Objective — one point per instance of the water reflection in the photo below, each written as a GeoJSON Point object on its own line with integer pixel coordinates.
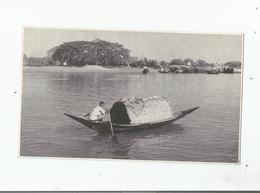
{"type": "Point", "coordinates": [120, 144]}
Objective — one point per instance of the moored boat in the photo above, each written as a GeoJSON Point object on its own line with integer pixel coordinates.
{"type": "Point", "coordinates": [228, 70]}
{"type": "Point", "coordinates": [134, 114]}
{"type": "Point", "coordinates": [164, 70]}
{"type": "Point", "coordinates": [237, 70]}
{"type": "Point", "coordinates": [213, 71]}
{"type": "Point", "coordinates": [145, 70]}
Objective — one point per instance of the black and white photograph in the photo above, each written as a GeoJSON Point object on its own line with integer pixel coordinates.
{"type": "Point", "coordinates": [131, 95]}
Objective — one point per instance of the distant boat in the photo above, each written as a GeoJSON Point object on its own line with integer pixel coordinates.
{"type": "Point", "coordinates": [164, 70]}
{"type": "Point", "coordinates": [145, 70]}
{"type": "Point", "coordinates": [228, 70]}
{"type": "Point", "coordinates": [132, 113]}
{"type": "Point", "coordinates": [213, 71]}
{"type": "Point", "coordinates": [237, 70]}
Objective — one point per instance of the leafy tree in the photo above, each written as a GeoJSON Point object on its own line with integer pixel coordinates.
{"type": "Point", "coordinates": [176, 62]}
{"type": "Point", "coordinates": [233, 64]}
{"type": "Point", "coordinates": [202, 63]}
{"type": "Point", "coordinates": [189, 61]}
{"type": "Point", "coordinates": [97, 52]}
{"type": "Point", "coordinates": [163, 63]}
{"type": "Point", "coordinates": [152, 63]}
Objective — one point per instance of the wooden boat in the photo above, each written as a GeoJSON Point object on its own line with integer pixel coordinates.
{"type": "Point", "coordinates": [237, 70]}
{"type": "Point", "coordinates": [164, 70]}
{"type": "Point", "coordinates": [228, 70]}
{"type": "Point", "coordinates": [105, 125]}
{"type": "Point", "coordinates": [213, 71]}
{"type": "Point", "coordinates": [145, 70]}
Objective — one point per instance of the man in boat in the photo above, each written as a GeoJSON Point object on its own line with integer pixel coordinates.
{"type": "Point", "coordinates": [97, 114]}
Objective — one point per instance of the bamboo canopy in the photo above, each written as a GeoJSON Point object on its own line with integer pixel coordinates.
{"type": "Point", "coordinates": [132, 110]}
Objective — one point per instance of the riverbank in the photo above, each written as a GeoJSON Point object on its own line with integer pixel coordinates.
{"type": "Point", "coordinates": [90, 68]}
{"type": "Point", "coordinates": [97, 68]}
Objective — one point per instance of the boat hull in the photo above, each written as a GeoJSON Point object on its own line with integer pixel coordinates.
{"type": "Point", "coordinates": [145, 71]}
{"type": "Point", "coordinates": [105, 126]}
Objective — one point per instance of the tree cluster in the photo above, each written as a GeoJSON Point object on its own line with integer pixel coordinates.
{"type": "Point", "coordinates": [97, 52]}
{"type": "Point", "coordinates": [143, 62]}
{"type": "Point", "coordinates": [233, 64]}
{"type": "Point", "coordinates": [100, 52]}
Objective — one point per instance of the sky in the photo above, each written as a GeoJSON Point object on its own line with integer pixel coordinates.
{"type": "Point", "coordinates": [213, 48]}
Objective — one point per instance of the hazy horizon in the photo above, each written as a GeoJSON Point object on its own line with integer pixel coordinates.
{"type": "Point", "coordinates": [213, 48]}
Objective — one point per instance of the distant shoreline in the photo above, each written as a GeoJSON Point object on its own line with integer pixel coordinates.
{"type": "Point", "coordinates": [88, 68]}
{"type": "Point", "coordinates": [97, 68]}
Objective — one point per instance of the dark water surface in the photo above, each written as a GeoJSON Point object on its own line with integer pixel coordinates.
{"type": "Point", "coordinates": [209, 134]}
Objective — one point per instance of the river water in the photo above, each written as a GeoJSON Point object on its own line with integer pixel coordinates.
{"type": "Point", "coordinates": [210, 134]}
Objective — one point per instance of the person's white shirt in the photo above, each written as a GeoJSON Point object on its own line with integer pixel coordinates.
{"type": "Point", "coordinates": [97, 113]}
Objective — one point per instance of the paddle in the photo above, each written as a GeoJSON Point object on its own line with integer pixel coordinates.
{"type": "Point", "coordinates": [110, 122]}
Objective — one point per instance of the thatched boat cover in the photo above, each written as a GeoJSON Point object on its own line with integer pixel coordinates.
{"type": "Point", "coordinates": [132, 110]}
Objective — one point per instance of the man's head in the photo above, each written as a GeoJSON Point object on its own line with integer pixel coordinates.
{"type": "Point", "coordinates": [102, 103]}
